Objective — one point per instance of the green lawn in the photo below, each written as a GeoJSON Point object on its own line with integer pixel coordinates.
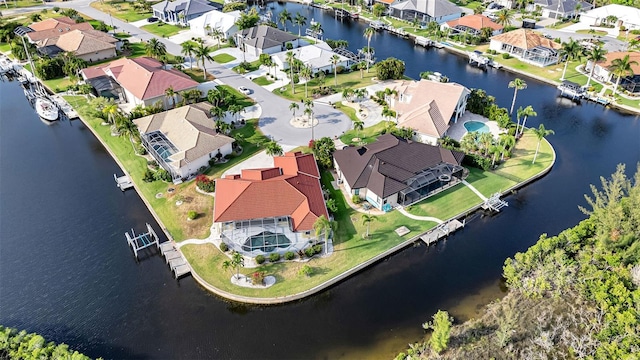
{"type": "Point", "coordinates": [253, 66]}
{"type": "Point", "coordinates": [163, 30]}
{"type": "Point", "coordinates": [58, 85]}
{"type": "Point", "coordinates": [592, 32]}
{"type": "Point", "coordinates": [121, 9]}
{"type": "Point", "coordinates": [15, 4]}
{"type": "Point", "coordinates": [239, 98]}
{"type": "Point", "coordinates": [350, 80]}
{"type": "Point", "coordinates": [262, 81]}
{"type": "Point", "coordinates": [223, 58]}
{"type": "Point", "coordinates": [5, 48]}
{"type": "Point", "coordinates": [198, 75]}
{"type": "Point", "coordinates": [366, 135]}
{"type": "Point", "coordinates": [251, 144]}
{"type": "Point", "coordinates": [446, 204]}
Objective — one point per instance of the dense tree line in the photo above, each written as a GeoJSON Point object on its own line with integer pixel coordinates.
{"type": "Point", "coordinates": [574, 295]}
{"type": "Point", "coordinates": [16, 344]}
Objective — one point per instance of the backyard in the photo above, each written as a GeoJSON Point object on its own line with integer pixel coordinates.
{"type": "Point", "coordinates": [121, 9]}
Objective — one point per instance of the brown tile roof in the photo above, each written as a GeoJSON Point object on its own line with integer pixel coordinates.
{"type": "Point", "coordinates": [428, 105]}
{"type": "Point", "coordinates": [37, 36]}
{"type": "Point", "coordinates": [633, 56]}
{"type": "Point", "coordinates": [386, 165]}
{"type": "Point", "coordinates": [82, 43]}
{"type": "Point", "coordinates": [475, 21]}
{"type": "Point", "coordinates": [388, 2]}
{"type": "Point", "coordinates": [144, 77]}
{"type": "Point", "coordinates": [273, 192]}
{"type": "Point", "coordinates": [526, 39]}
{"type": "Point", "coordinates": [52, 23]}
{"type": "Point", "coordinates": [189, 128]}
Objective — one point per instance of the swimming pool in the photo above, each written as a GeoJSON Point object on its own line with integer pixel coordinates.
{"type": "Point", "coordinates": [476, 126]}
{"type": "Point", "coordinates": [266, 241]}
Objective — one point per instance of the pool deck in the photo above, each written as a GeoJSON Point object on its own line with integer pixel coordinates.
{"type": "Point", "coordinates": [457, 130]}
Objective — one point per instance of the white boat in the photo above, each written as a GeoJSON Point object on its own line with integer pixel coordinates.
{"type": "Point", "coordinates": [46, 109]}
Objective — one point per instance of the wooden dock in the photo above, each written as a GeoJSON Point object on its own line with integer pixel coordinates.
{"type": "Point", "coordinates": [123, 182]}
{"type": "Point", "coordinates": [442, 230]}
{"type": "Point", "coordinates": [174, 258]}
{"type": "Point", "coordinates": [63, 105]}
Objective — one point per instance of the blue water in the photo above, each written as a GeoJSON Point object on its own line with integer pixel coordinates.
{"type": "Point", "coordinates": [476, 126]}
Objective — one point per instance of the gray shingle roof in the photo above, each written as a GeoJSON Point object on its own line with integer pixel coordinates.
{"type": "Point", "coordinates": [433, 8]}
{"type": "Point", "coordinates": [264, 37]}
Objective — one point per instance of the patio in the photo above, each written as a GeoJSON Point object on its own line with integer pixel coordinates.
{"type": "Point", "coordinates": [457, 130]}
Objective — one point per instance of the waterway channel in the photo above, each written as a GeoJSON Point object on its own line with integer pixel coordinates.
{"type": "Point", "coordinates": [66, 271]}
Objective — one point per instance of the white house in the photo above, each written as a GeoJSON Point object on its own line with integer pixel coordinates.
{"type": "Point", "coordinates": [224, 22]}
{"type": "Point", "coordinates": [263, 39]}
{"type": "Point", "coordinates": [425, 11]}
{"type": "Point", "coordinates": [528, 46]}
{"type": "Point", "coordinates": [626, 16]}
{"type": "Point", "coordinates": [184, 139]}
{"type": "Point", "coordinates": [317, 56]}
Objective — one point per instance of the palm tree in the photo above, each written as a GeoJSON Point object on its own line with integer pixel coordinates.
{"type": "Point", "coordinates": [202, 53]}
{"type": "Point", "coordinates": [300, 21]}
{"type": "Point", "coordinates": [217, 112]}
{"type": "Point", "coordinates": [358, 125]}
{"type": "Point", "coordinates": [347, 94]}
{"type": "Point", "coordinates": [291, 58]}
{"type": "Point", "coordinates": [367, 220]}
{"type": "Point", "coordinates": [235, 109]}
{"type": "Point", "coordinates": [284, 18]}
{"type": "Point", "coordinates": [188, 48]}
{"type": "Point", "coordinates": [570, 51]}
{"type": "Point", "coordinates": [308, 110]}
{"type": "Point", "coordinates": [237, 260]}
{"type": "Point", "coordinates": [541, 133]}
{"type": "Point", "coordinates": [517, 84]}
{"type": "Point", "coordinates": [507, 142]}
{"type": "Point", "coordinates": [293, 107]}
{"type": "Point", "coordinates": [504, 17]}
{"type": "Point", "coordinates": [218, 35]}
{"type": "Point", "coordinates": [486, 139]}
{"type": "Point", "coordinates": [273, 149]}
{"type": "Point", "coordinates": [368, 33]}
{"type": "Point", "coordinates": [112, 111]}
{"type": "Point", "coordinates": [621, 67]}
{"type": "Point", "coordinates": [595, 55]}
{"type": "Point", "coordinates": [361, 66]}
{"type": "Point", "coordinates": [322, 225]}
{"type": "Point", "coordinates": [316, 29]}
{"type": "Point", "coordinates": [34, 17]}
{"type": "Point", "coordinates": [155, 48]}
{"type": "Point", "coordinates": [306, 73]}
{"type": "Point", "coordinates": [335, 59]}
{"type": "Point", "coordinates": [170, 94]}
{"type": "Point", "coordinates": [526, 112]}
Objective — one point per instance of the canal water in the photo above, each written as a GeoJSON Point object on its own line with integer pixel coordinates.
{"type": "Point", "coordinates": [66, 271]}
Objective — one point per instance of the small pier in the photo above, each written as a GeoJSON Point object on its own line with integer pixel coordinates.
{"type": "Point", "coordinates": [123, 182]}
{"type": "Point", "coordinates": [442, 230]}
{"type": "Point", "coordinates": [142, 241]}
{"type": "Point", "coordinates": [174, 258]}
{"type": "Point", "coordinates": [477, 59]}
{"type": "Point", "coordinates": [571, 90]}
{"type": "Point", "coordinates": [398, 32]}
{"type": "Point", "coordinates": [378, 25]}
{"type": "Point", "coordinates": [494, 203]}
{"type": "Point", "coordinates": [63, 105]}
{"type": "Point", "coordinates": [423, 41]}
{"type": "Point", "coordinates": [596, 99]}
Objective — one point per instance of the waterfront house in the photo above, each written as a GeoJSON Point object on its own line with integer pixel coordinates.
{"type": "Point", "coordinates": [263, 39]}
{"type": "Point", "coordinates": [271, 209]}
{"type": "Point", "coordinates": [473, 25]}
{"type": "Point", "coordinates": [393, 171]}
{"type": "Point", "coordinates": [528, 46]}
{"type": "Point", "coordinates": [428, 107]}
{"type": "Point", "coordinates": [604, 73]}
{"type": "Point", "coordinates": [206, 23]}
{"type": "Point", "coordinates": [180, 11]}
{"type": "Point", "coordinates": [612, 15]}
{"type": "Point", "coordinates": [425, 11]}
{"type": "Point", "coordinates": [88, 45]}
{"type": "Point", "coordinates": [183, 140]}
{"type": "Point", "coordinates": [141, 81]}
{"type": "Point", "coordinates": [318, 56]}
{"type": "Point", "coordinates": [559, 9]}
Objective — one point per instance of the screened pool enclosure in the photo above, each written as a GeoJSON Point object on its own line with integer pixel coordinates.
{"type": "Point", "coordinates": [161, 149]}
{"type": "Point", "coordinates": [430, 182]}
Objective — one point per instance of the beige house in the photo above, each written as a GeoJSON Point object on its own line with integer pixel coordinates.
{"type": "Point", "coordinates": [428, 107]}
{"type": "Point", "coordinates": [528, 46]}
{"type": "Point", "coordinates": [604, 73]}
{"type": "Point", "coordinates": [88, 45]}
{"type": "Point", "coordinates": [184, 139]}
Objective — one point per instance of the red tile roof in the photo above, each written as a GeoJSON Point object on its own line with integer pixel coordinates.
{"type": "Point", "coordinates": [45, 34]}
{"type": "Point", "coordinates": [291, 190]}
{"type": "Point", "coordinates": [52, 23]}
{"type": "Point", "coordinates": [633, 56]}
{"type": "Point", "coordinates": [144, 77]}
{"type": "Point", "coordinates": [475, 21]}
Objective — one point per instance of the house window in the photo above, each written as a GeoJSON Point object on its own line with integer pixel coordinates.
{"type": "Point", "coordinates": [356, 192]}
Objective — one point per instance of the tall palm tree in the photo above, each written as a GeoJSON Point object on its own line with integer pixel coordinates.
{"type": "Point", "coordinates": [504, 17]}
{"type": "Point", "coordinates": [308, 110]}
{"type": "Point", "coordinates": [621, 67]}
{"type": "Point", "coordinates": [347, 94]}
{"type": "Point", "coordinates": [368, 33]}
{"type": "Point", "coordinates": [300, 21]}
{"type": "Point", "coordinates": [155, 48]}
{"type": "Point", "coordinates": [507, 142]}
{"type": "Point", "coordinates": [516, 84]}
{"type": "Point", "coordinates": [526, 112]}
{"type": "Point", "coordinates": [188, 49]}
{"type": "Point", "coordinates": [570, 51]}
{"type": "Point", "coordinates": [306, 73]}
{"type": "Point", "coordinates": [316, 29]}
{"type": "Point", "coordinates": [112, 111]}
{"type": "Point", "coordinates": [486, 139]}
{"type": "Point", "coordinates": [218, 35]}
{"type": "Point", "coordinates": [595, 55]}
{"type": "Point", "coordinates": [293, 107]}
{"type": "Point", "coordinates": [170, 94]}
{"type": "Point", "coordinates": [324, 226]}
{"type": "Point", "coordinates": [273, 149]}
{"type": "Point", "coordinates": [217, 112]}
{"type": "Point", "coordinates": [237, 261]}
{"type": "Point", "coordinates": [335, 59]}
{"type": "Point", "coordinates": [291, 59]}
{"type": "Point", "coordinates": [202, 53]}
{"type": "Point", "coordinates": [541, 133]}
{"type": "Point", "coordinates": [367, 220]}
{"type": "Point", "coordinates": [284, 18]}
{"type": "Point", "coordinates": [358, 125]}
{"type": "Point", "coordinates": [519, 115]}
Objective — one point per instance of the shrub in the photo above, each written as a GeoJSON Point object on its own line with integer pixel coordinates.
{"type": "Point", "coordinates": [148, 176]}
{"type": "Point", "coordinates": [224, 247]}
{"type": "Point", "coordinates": [317, 249]}
{"type": "Point", "coordinates": [296, 78]}
{"type": "Point", "coordinates": [309, 252]}
{"type": "Point", "coordinates": [306, 270]}
{"type": "Point", "coordinates": [260, 259]}
{"type": "Point", "coordinates": [192, 215]}
{"type": "Point", "coordinates": [356, 199]}
{"type": "Point", "coordinates": [273, 257]}
{"type": "Point", "coordinates": [289, 255]}
{"type": "Point", "coordinates": [340, 69]}
{"type": "Point", "coordinates": [257, 278]}
{"type": "Point", "coordinates": [212, 161]}
{"type": "Point", "coordinates": [163, 175]}
{"type": "Point", "coordinates": [205, 184]}
{"type": "Point", "coordinates": [506, 56]}
{"type": "Point", "coordinates": [331, 205]}
{"type": "Point", "coordinates": [140, 150]}
{"type": "Point", "coordinates": [477, 161]}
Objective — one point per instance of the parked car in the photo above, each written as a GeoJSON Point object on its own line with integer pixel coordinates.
{"type": "Point", "coordinates": [244, 90]}
{"type": "Point", "coordinates": [152, 19]}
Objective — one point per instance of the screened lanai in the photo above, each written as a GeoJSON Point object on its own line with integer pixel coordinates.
{"type": "Point", "coordinates": [161, 149]}
{"type": "Point", "coordinates": [431, 181]}
{"type": "Point", "coordinates": [263, 236]}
